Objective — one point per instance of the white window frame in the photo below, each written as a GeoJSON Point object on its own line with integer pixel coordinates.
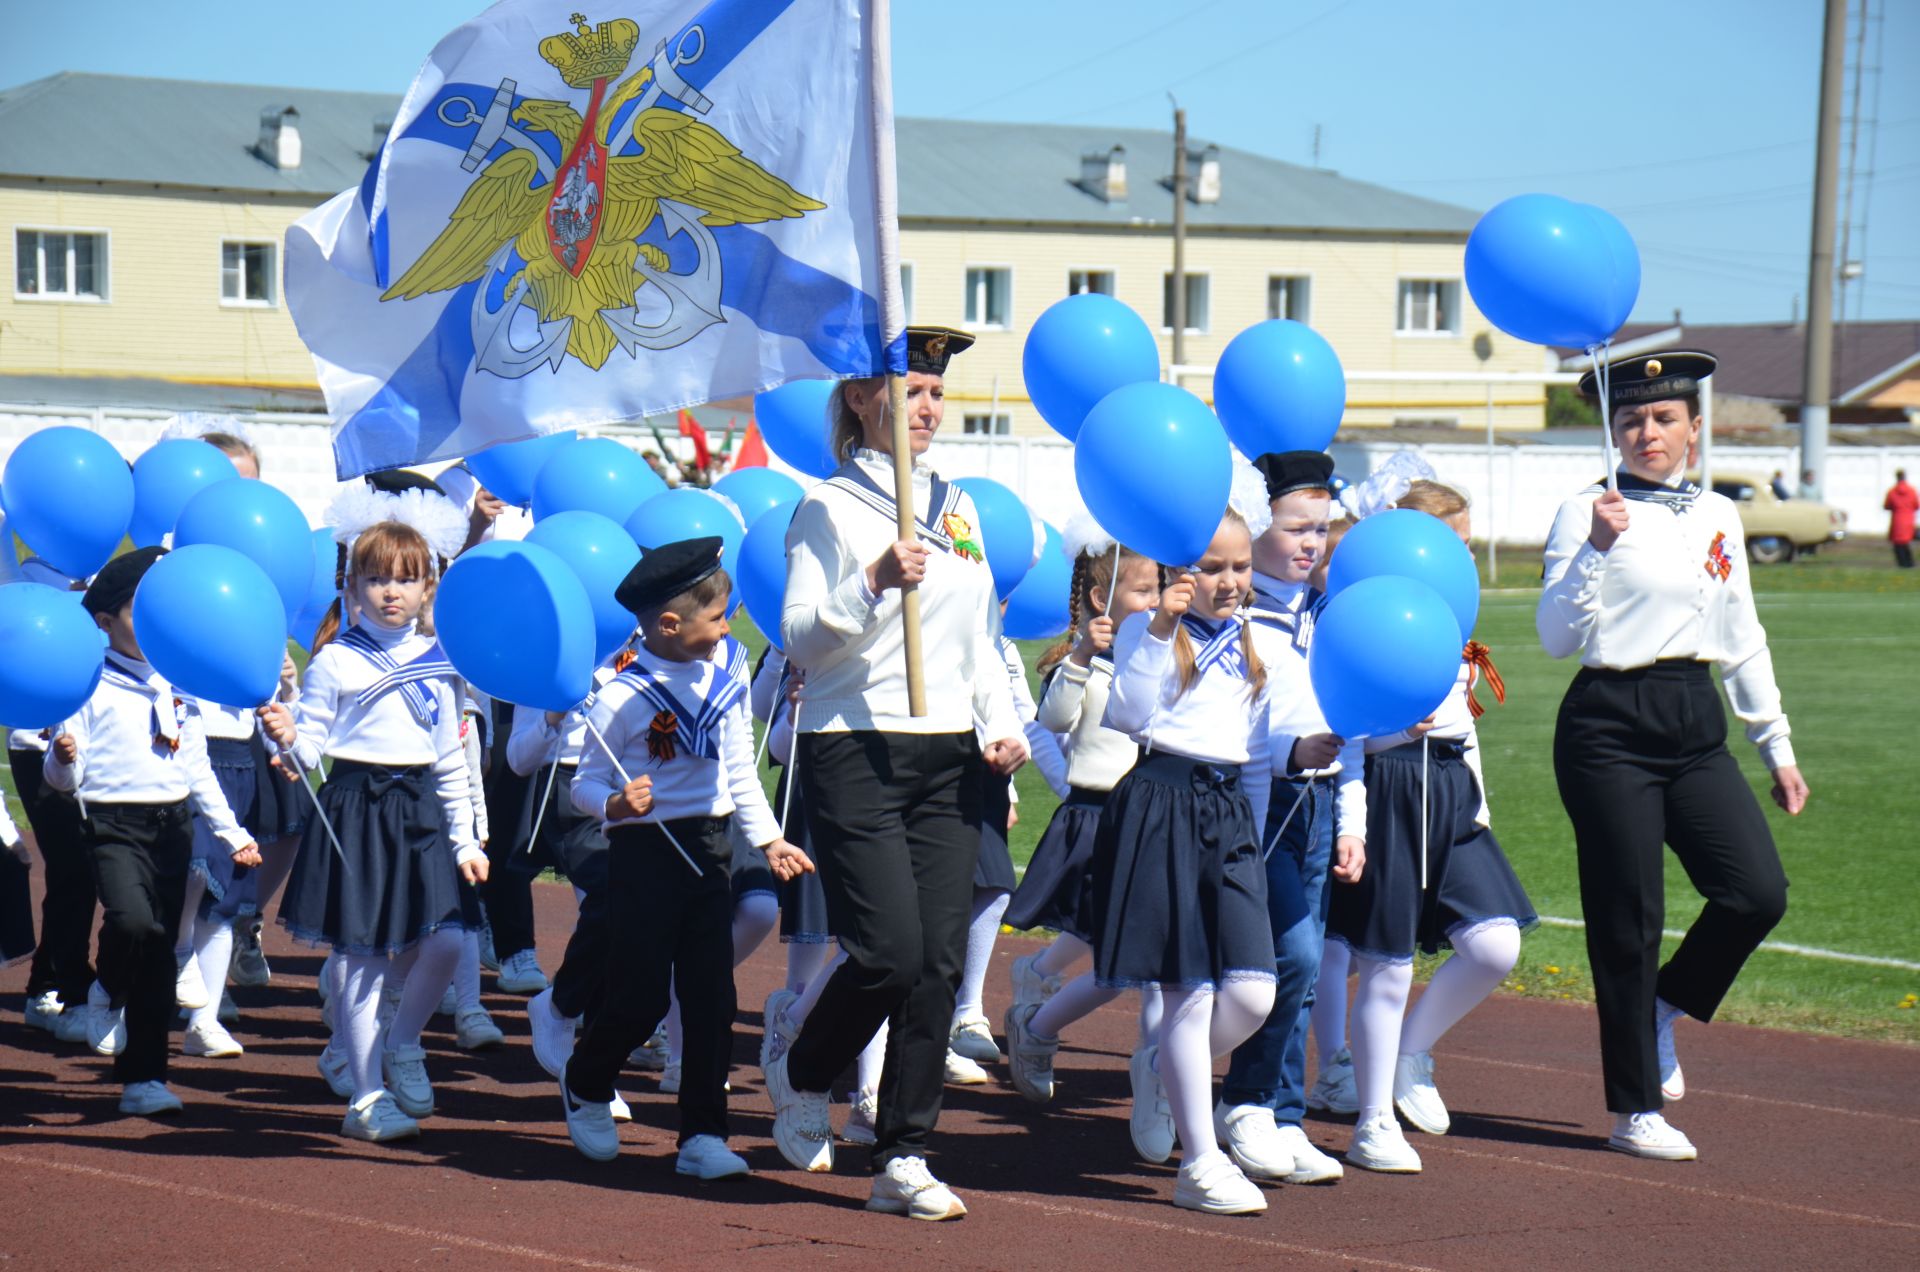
{"type": "Point", "coordinates": [273, 282]}
{"type": "Point", "coordinates": [966, 296]}
{"type": "Point", "coordinates": [1166, 325]}
{"type": "Point", "coordinates": [908, 276]}
{"type": "Point", "coordinates": [1113, 277]}
{"type": "Point", "coordinates": [1438, 333]}
{"type": "Point", "coordinates": [996, 418]}
{"type": "Point", "coordinates": [1301, 276]}
{"type": "Point", "coordinates": [103, 268]}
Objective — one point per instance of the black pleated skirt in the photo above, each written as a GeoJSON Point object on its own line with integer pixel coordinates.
{"type": "Point", "coordinates": [397, 882]}
{"type": "Point", "coordinates": [993, 871]}
{"type": "Point", "coordinates": [803, 902]}
{"type": "Point", "coordinates": [1057, 890]}
{"type": "Point", "coordinates": [1386, 915]}
{"type": "Point", "coordinates": [1180, 892]}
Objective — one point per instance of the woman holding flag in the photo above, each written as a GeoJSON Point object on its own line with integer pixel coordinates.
{"type": "Point", "coordinates": [892, 797]}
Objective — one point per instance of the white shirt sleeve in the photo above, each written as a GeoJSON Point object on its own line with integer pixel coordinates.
{"type": "Point", "coordinates": [992, 686]}
{"type": "Point", "coordinates": [533, 742]}
{"type": "Point", "coordinates": [450, 780]}
{"type": "Point", "coordinates": [67, 777]}
{"type": "Point", "coordinates": [1140, 663]}
{"type": "Point", "coordinates": [1256, 780]}
{"type": "Point", "coordinates": [596, 780]}
{"type": "Point", "coordinates": [314, 711]}
{"type": "Point", "coordinates": [828, 604]}
{"type": "Point", "coordinates": [752, 814]}
{"type": "Point", "coordinates": [1747, 667]}
{"type": "Point", "coordinates": [1570, 592]}
{"type": "Point", "coordinates": [1062, 698]}
{"type": "Point", "coordinates": [1350, 791]}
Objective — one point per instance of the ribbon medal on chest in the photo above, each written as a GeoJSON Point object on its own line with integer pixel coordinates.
{"type": "Point", "coordinates": [674, 728]}
{"type": "Point", "coordinates": [1719, 564]}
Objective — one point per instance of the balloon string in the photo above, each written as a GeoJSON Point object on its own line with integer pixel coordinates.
{"type": "Point", "coordinates": [1603, 382]}
{"type": "Point", "coordinates": [1113, 582]}
{"type": "Point", "coordinates": [793, 770]}
{"type": "Point", "coordinates": [1305, 786]}
{"type": "Point", "coordinates": [621, 769]}
{"type": "Point", "coordinates": [326, 823]}
{"type": "Point", "coordinates": [540, 814]}
{"type": "Point", "coordinates": [1423, 813]}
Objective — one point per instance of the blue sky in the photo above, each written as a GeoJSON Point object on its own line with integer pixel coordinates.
{"type": "Point", "coordinates": [1692, 122]}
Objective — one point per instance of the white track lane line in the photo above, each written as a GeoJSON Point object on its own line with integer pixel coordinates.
{"type": "Point", "coordinates": [1771, 947]}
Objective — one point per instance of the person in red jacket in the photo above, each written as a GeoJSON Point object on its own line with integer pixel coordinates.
{"type": "Point", "coordinates": [1901, 502]}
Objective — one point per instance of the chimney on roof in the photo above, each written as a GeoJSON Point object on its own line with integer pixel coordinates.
{"type": "Point", "coordinates": [1205, 187]}
{"type": "Point", "coordinates": [1103, 174]}
{"type": "Point", "coordinates": [279, 142]}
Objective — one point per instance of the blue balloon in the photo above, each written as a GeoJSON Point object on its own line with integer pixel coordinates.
{"type": "Point", "coordinates": [1039, 608]}
{"type": "Point", "coordinates": [262, 524]}
{"type": "Point", "coordinates": [1385, 653]}
{"type": "Point", "coordinates": [756, 490]}
{"type": "Point", "coordinates": [1414, 545]}
{"type": "Point", "coordinates": [321, 590]}
{"type": "Point", "coordinates": [211, 622]}
{"type": "Point", "coordinates": [594, 474]}
{"type": "Point", "coordinates": [1006, 531]}
{"type": "Point", "coordinates": [1080, 350]}
{"type": "Point", "coordinates": [601, 552]}
{"type": "Point", "coordinates": [690, 513]}
{"type": "Point", "coordinates": [165, 478]}
{"type": "Point", "coordinates": [1154, 468]}
{"type": "Point", "coordinates": [1550, 271]}
{"type": "Point", "coordinates": [516, 621]}
{"type": "Point", "coordinates": [509, 471]}
{"type": "Point", "coordinates": [793, 419]}
{"type": "Point", "coordinates": [1279, 387]}
{"type": "Point", "coordinates": [69, 496]}
{"type": "Point", "coordinates": [54, 656]}
{"type": "Point", "coordinates": [762, 579]}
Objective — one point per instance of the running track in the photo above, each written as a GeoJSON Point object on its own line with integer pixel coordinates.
{"type": "Point", "coordinates": [1811, 1145]}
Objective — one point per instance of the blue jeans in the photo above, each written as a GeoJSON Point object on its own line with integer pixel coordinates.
{"type": "Point", "coordinates": [1270, 1068]}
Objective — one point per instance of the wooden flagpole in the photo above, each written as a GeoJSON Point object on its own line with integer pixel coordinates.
{"type": "Point", "coordinates": [903, 509]}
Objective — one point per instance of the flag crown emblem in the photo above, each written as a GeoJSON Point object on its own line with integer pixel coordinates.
{"type": "Point", "coordinates": [589, 53]}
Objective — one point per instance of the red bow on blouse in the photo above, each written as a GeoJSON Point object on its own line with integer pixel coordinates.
{"type": "Point", "coordinates": [1480, 658]}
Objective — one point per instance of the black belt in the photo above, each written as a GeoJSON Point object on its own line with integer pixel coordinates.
{"type": "Point", "coordinates": [1437, 749]}
{"type": "Point", "coordinates": [1680, 670]}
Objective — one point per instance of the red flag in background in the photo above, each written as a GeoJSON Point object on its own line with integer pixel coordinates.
{"type": "Point", "coordinates": [688, 428]}
{"type": "Point", "coordinates": [753, 448]}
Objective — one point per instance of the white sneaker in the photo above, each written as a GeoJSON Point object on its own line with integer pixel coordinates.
{"type": "Point", "coordinates": [1030, 986]}
{"type": "Point", "coordinates": [1378, 1144]}
{"type": "Point", "coordinates": [653, 1053]}
{"type": "Point", "coordinates": [973, 1038]}
{"type": "Point", "coordinates": [377, 1119]}
{"type": "Point", "coordinates": [1649, 1135]}
{"type": "Point", "coordinates": [1673, 1083]}
{"type": "Point", "coordinates": [553, 1034]}
{"type": "Point", "coordinates": [964, 1072]}
{"type": "Point", "coordinates": [1333, 1091]}
{"type": "Point", "coordinates": [1029, 1057]}
{"type": "Point", "coordinates": [106, 1024]}
{"type": "Point", "coordinates": [1252, 1140]}
{"type": "Point", "coordinates": [670, 1078]}
{"type": "Point", "coordinates": [71, 1024]}
{"type": "Point", "coordinates": [520, 974]}
{"type": "Point", "coordinates": [474, 1030]}
{"type": "Point", "coordinates": [248, 964]}
{"type": "Point", "coordinates": [801, 1129]}
{"type": "Point", "coordinates": [862, 1114]}
{"type": "Point", "coordinates": [212, 1041]}
{"type": "Point", "coordinates": [449, 1004]}
{"type": "Point", "coordinates": [907, 1187]}
{"type": "Point", "coordinates": [334, 1069]}
{"type": "Point", "coordinates": [405, 1069]}
{"type": "Point", "coordinates": [1415, 1095]}
{"type": "Point", "coordinates": [590, 1126]}
{"type": "Point", "coordinates": [189, 991]}
{"type": "Point", "coordinates": [1310, 1165]}
{"type": "Point", "coordinates": [148, 1099]}
{"type": "Point", "coordinates": [618, 1109]}
{"type": "Point", "coordinates": [1214, 1184]}
{"type": "Point", "coordinates": [42, 1010]}
{"type": "Point", "coordinates": [708, 1157]}
{"type": "Point", "coordinates": [1151, 1121]}
{"type": "Point", "coordinates": [776, 1031]}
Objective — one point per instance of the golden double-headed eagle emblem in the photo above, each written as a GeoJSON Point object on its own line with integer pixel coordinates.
{"type": "Point", "coordinates": [576, 227]}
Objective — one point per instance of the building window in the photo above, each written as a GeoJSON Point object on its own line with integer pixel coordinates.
{"type": "Point", "coordinates": [247, 273]}
{"type": "Point", "coordinates": [1198, 292]}
{"type": "Point", "coordinates": [1287, 297]}
{"type": "Point", "coordinates": [1000, 425]}
{"type": "Point", "coordinates": [60, 264]}
{"type": "Point", "coordinates": [989, 297]}
{"type": "Point", "coordinates": [906, 291]}
{"type": "Point", "coordinates": [1429, 307]}
{"type": "Point", "coordinates": [1426, 421]}
{"type": "Point", "coordinates": [1082, 281]}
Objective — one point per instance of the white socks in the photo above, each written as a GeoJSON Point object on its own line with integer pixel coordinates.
{"type": "Point", "coordinates": [1378, 1007]}
{"type": "Point", "coordinates": [427, 970]}
{"type": "Point", "coordinates": [212, 947]}
{"type": "Point", "coordinates": [1482, 956]}
{"type": "Point", "coordinates": [989, 905]}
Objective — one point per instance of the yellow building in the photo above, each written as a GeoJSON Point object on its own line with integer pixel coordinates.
{"type": "Point", "coordinates": [144, 220]}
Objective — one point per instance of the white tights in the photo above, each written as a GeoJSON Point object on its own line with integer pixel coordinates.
{"type": "Point", "coordinates": [1482, 955]}
{"type": "Point", "coordinates": [466, 972]}
{"type": "Point", "coordinates": [1330, 1000]}
{"type": "Point", "coordinates": [989, 905]}
{"type": "Point", "coordinates": [212, 947]}
{"type": "Point", "coordinates": [356, 1017]}
{"type": "Point", "coordinates": [1063, 953]}
{"type": "Point", "coordinates": [425, 971]}
{"type": "Point", "coordinates": [1200, 1026]}
{"type": "Point", "coordinates": [1083, 995]}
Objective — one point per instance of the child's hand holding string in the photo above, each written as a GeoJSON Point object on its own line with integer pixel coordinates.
{"type": "Point", "coordinates": [1097, 639]}
{"type": "Point", "coordinates": [276, 722]}
{"type": "Point", "coordinates": [1175, 601]}
{"type": "Point", "coordinates": [633, 800]}
{"type": "Point", "coordinates": [786, 861]}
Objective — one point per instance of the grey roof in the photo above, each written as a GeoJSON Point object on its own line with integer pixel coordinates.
{"type": "Point", "coordinates": [76, 126]}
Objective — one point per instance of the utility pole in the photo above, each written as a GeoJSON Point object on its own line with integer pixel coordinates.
{"type": "Point", "coordinates": [1180, 235]}
{"type": "Point", "coordinates": [1817, 392]}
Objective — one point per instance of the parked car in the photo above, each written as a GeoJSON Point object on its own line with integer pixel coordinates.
{"type": "Point", "coordinates": [1777, 529]}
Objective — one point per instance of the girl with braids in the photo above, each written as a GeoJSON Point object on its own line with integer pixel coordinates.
{"type": "Point", "coordinates": [1180, 899]}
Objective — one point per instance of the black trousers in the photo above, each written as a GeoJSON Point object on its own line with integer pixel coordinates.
{"type": "Point", "coordinates": [60, 961]}
{"type": "Point", "coordinates": [579, 986]}
{"type": "Point", "coordinates": [664, 921]}
{"type": "Point", "coordinates": [1903, 555]}
{"type": "Point", "coordinates": [893, 821]}
{"type": "Point", "coordinates": [1641, 759]}
{"type": "Point", "coordinates": [140, 855]}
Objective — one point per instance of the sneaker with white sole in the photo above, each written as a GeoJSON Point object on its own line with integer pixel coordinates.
{"type": "Point", "coordinates": [1673, 1083]}
{"type": "Point", "coordinates": [590, 1125]}
{"type": "Point", "coordinates": [1334, 1091]}
{"type": "Point", "coordinates": [1310, 1165]}
{"type": "Point", "coordinates": [449, 1004]}
{"type": "Point", "coordinates": [708, 1157]}
{"type": "Point", "coordinates": [332, 1063]}
{"type": "Point", "coordinates": [405, 1069]}
{"type": "Point", "coordinates": [1029, 986]}
{"type": "Point", "coordinates": [71, 1024]}
{"type": "Point", "coordinates": [1216, 1186]}
{"type": "Point", "coordinates": [862, 1115]}
{"type": "Point", "coordinates": [1650, 1135]}
{"type": "Point", "coordinates": [653, 1054]}
{"type": "Point", "coordinates": [670, 1078]}
{"type": "Point", "coordinates": [211, 1041]}
{"type": "Point", "coordinates": [42, 1010]}
{"type": "Point", "coordinates": [189, 991]}
{"type": "Point", "coordinates": [618, 1109]}
{"type": "Point", "coordinates": [474, 1030]}
{"type": "Point", "coordinates": [148, 1099]}
{"type": "Point", "coordinates": [1029, 1056]}
{"type": "Point", "coordinates": [248, 964]}
{"type": "Point", "coordinates": [376, 1119]}
{"type": "Point", "coordinates": [972, 1037]}
{"type": "Point", "coordinates": [801, 1128]}
{"type": "Point", "coordinates": [1253, 1141]}
{"type": "Point", "coordinates": [907, 1187]}
{"type": "Point", "coordinates": [553, 1034]}
{"type": "Point", "coordinates": [777, 1031]}
{"type": "Point", "coordinates": [1380, 1145]}
{"type": "Point", "coordinates": [1151, 1121]}
{"type": "Point", "coordinates": [520, 974]}
{"type": "Point", "coordinates": [106, 1024]}
{"type": "Point", "coordinates": [964, 1072]}
{"type": "Point", "coordinates": [1415, 1095]}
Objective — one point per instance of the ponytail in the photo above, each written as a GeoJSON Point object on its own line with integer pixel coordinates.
{"type": "Point", "coordinates": [335, 617]}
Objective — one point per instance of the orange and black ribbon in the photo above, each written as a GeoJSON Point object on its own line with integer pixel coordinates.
{"type": "Point", "coordinates": [1480, 658]}
{"type": "Point", "coordinates": [662, 736]}
{"type": "Point", "coordinates": [623, 660]}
